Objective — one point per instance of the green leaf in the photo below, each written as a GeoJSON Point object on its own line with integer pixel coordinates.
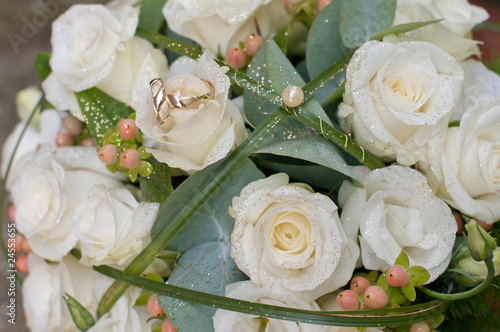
{"type": "Point", "coordinates": [158, 186]}
{"type": "Point", "coordinates": [151, 17]}
{"type": "Point", "coordinates": [396, 295]}
{"type": "Point", "coordinates": [101, 111]}
{"type": "Point", "coordinates": [385, 317]}
{"type": "Point", "coordinates": [401, 28]}
{"type": "Point", "coordinates": [361, 19]}
{"type": "Point", "coordinates": [409, 292]}
{"type": "Point", "coordinates": [212, 222]}
{"type": "Point", "coordinates": [320, 54]}
{"type": "Point", "coordinates": [418, 275]}
{"type": "Point", "coordinates": [208, 268]}
{"type": "Point", "coordinates": [42, 66]}
{"type": "Point", "coordinates": [403, 260]}
{"type": "Point", "coordinates": [143, 298]}
{"type": "Point", "coordinates": [382, 282]}
{"type": "Point", "coordinates": [206, 265]}
{"type": "Point", "coordinates": [81, 316]}
{"type": "Point", "coordinates": [281, 38]}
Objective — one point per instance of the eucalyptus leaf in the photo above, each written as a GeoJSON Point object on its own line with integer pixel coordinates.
{"type": "Point", "coordinates": [317, 176]}
{"type": "Point", "coordinates": [157, 186]}
{"type": "Point", "coordinates": [361, 19]}
{"type": "Point", "coordinates": [150, 16]}
{"type": "Point", "coordinates": [281, 38]}
{"type": "Point", "coordinates": [42, 66]}
{"type": "Point", "coordinates": [325, 47]}
{"type": "Point", "coordinates": [207, 268]}
{"type": "Point", "coordinates": [206, 264]}
{"type": "Point", "coordinates": [101, 111]}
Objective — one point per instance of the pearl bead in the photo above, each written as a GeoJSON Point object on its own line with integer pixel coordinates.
{"type": "Point", "coordinates": [293, 96]}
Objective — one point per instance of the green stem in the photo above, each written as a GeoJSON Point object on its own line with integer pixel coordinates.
{"type": "Point", "coordinates": [7, 172]}
{"type": "Point", "coordinates": [471, 292]}
{"type": "Point", "coordinates": [180, 217]}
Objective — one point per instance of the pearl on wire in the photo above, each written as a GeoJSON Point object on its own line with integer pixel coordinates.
{"type": "Point", "coordinates": [293, 96]}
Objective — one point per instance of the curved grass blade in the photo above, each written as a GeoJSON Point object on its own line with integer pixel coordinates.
{"type": "Point", "coordinates": [385, 317]}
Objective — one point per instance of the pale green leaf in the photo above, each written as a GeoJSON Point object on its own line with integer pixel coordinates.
{"type": "Point", "coordinates": [409, 292]}
{"type": "Point", "coordinates": [81, 317]}
{"type": "Point", "coordinates": [361, 19]}
{"type": "Point", "coordinates": [403, 260]}
{"type": "Point", "coordinates": [418, 275]}
{"type": "Point", "coordinates": [150, 16]}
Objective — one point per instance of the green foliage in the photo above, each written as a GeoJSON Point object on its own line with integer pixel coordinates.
{"type": "Point", "coordinates": [206, 264]}
{"type": "Point", "coordinates": [325, 47]}
{"type": "Point", "coordinates": [418, 275]}
{"type": "Point", "coordinates": [403, 260]}
{"type": "Point", "coordinates": [158, 185]}
{"type": "Point", "coordinates": [361, 19]}
{"type": "Point", "coordinates": [101, 112]}
{"type": "Point", "coordinates": [81, 316]}
{"type": "Point", "coordinates": [42, 66]}
{"type": "Point", "coordinates": [150, 16]}
{"type": "Point", "coordinates": [409, 292]}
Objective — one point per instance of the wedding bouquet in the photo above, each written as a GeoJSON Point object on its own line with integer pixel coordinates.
{"type": "Point", "coordinates": [264, 165]}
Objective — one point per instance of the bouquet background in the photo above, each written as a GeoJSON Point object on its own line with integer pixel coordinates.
{"type": "Point", "coordinates": [17, 72]}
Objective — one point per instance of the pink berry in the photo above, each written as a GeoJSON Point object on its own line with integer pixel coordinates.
{"type": "Point", "coordinates": [108, 154]}
{"type": "Point", "coordinates": [11, 213]}
{"type": "Point", "coordinates": [130, 158]}
{"type": "Point", "coordinates": [14, 243]}
{"type": "Point", "coordinates": [420, 327]}
{"type": "Point", "coordinates": [154, 306]}
{"type": "Point", "coordinates": [359, 284]}
{"type": "Point", "coordinates": [348, 300]}
{"type": "Point", "coordinates": [22, 263]}
{"type": "Point", "coordinates": [64, 139]}
{"type": "Point", "coordinates": [322, 4]}
{"type": "Point", "coordinates": [252, 44]}
{"type": "Point", "coordinates": [288, 5]}
{"type": "Point", "coordinates": [236, 58]}
{"type": "Point", "coordinates": [460, 222]}
{"type": "Point", "coordinates": [25, 246]}
{"type": "Point", "coordinates": [397, 276]}
{"type": "Point", "coordinates": [89, 141]}
{"type": "Point", "coordinates": [72, 125]}
{"type": "Point", "coordinates": [375, 297]}
{"type": "Point", "coordinates": [167, 326]}
{"type": "Point", "coordinates": [127, 128]}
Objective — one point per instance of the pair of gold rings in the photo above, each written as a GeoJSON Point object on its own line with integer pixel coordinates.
{"type": "Point", "coordinates": [163, 102]}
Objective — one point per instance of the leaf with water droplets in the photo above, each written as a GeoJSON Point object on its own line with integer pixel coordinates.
{"type": "Point", "coordinates": [101, 111]}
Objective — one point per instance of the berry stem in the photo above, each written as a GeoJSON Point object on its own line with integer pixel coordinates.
{"type": "Point", "coordinates": [471, 292]}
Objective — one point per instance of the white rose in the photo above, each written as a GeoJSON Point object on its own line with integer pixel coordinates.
{"type": "Point", "coordinates": [285, 235]}
{"type": "Point", "coordinates": [398, 97]}
{"type": "Point", "coordinates": [201, 135]}
{"type": "Point", "coordinates": [480, 83]}
{"type": "Point", "coordinates": [470, 163]}
{"type": "Point", "coordinates": [219, 25]}
{"type": "Point", "coordinates": [93, 46]}
{"type": "Point", "coordinates": [397, 210]}
{"type": "Point", "coordinates": [124, 316]}
{"type": "Point", "coordinates": [225, 320]}
{"type": "Point", "coordinates": [50, 122]}
{"type": "Point", "coordinates": [111, 226]}
{"type": "Point", "coordinates": [45, 285]}
{"type": "Point", "coordinates": [46, 311]}
{"type": "Point", "coordinates": [452, 34]}
{"type": "Point", "coordinates": [48, 191]}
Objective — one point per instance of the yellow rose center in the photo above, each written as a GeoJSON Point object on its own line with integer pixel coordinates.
{"type": "Point", "coordinates": [290, 232]}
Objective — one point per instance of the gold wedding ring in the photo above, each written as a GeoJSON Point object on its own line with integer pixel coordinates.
{"type": "Point", "coordinates": [163, 102]}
